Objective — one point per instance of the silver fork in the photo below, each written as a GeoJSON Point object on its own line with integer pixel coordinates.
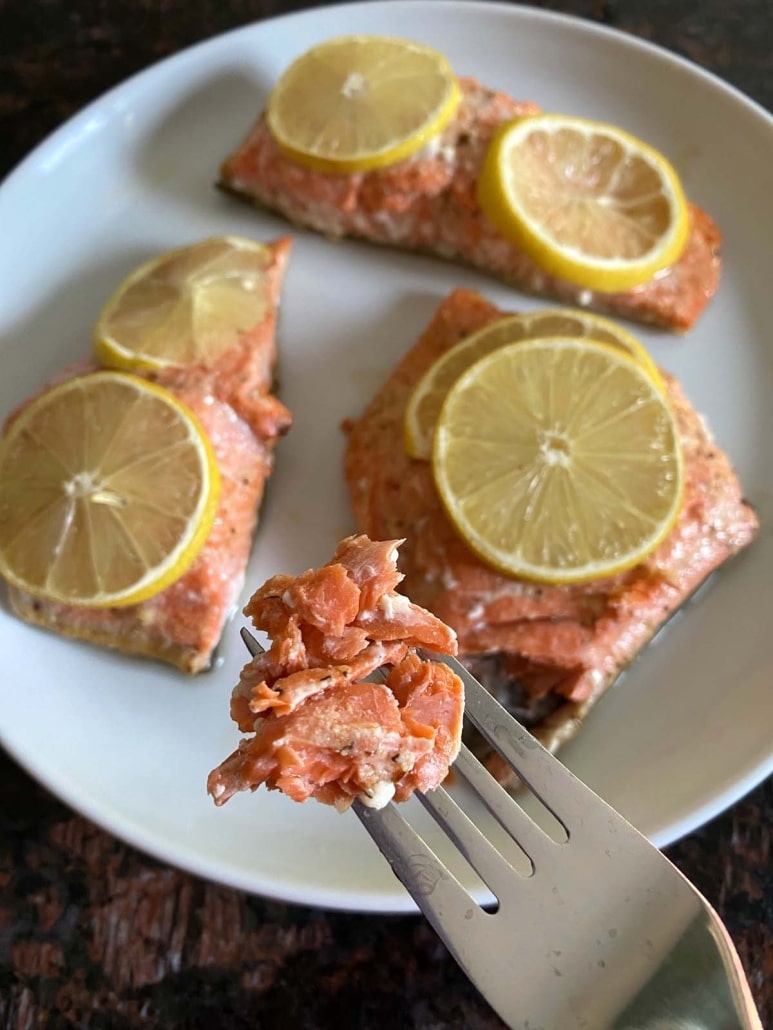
{"type": "Point", "coordinates": [603, 933]}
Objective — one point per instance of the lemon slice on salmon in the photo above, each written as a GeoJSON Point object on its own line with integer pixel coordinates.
{"type": "Point", "coordinates": [427, 398]}
{"type": "Point", "coordinates": [360, 102]}
{"type": "Point", "coordinates": [186, 306]}
{"type": "Point", "coordinates": [108, 491]}
{"type": "Point", "coordinates": [558, 460]}
{"type": "Point", "coordinates": [586, 201]}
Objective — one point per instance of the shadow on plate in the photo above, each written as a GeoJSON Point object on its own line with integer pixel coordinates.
{"type": "Point", "coordinates": [56, 332]}
{"type": "Point", "coordinates": [181, 152]}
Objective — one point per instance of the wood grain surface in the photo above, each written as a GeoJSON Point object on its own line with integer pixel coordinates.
{"type": "Point", "coordinates": [95, 934]}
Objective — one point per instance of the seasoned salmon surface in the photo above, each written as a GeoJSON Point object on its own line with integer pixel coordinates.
{"type": "Point", "coordinates": [243, 420]}
{"type": "Point", "coordinates": [427, 203]}
{"type": "Point", "coordinates": [548, 652]}
{"type": "Point", "coordinates": [319, 728]}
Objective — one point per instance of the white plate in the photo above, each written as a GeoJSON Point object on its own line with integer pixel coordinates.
{"type": "Point", "coordinates": [129, 743]}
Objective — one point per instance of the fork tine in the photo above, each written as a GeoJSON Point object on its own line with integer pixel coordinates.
{"type": "Point", "coordinates": [547, 778]}
{"type": "Point", "coordinates": [495, 871]}
{"type": "Point", "coordinates": [532, 840]}
{"type": "Point", "coordinates": [250, 642]}
{"type": "Point", "coordinates": [430, 883]}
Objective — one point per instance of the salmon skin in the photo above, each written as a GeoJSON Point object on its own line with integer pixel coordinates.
{"type": "Point", "coordinates": [548, 652]}
{"type": "Point", "coordinates": [233, 402]}
{"type": "Point", "coordinates": [319, 728]}
{"type": "Point", "coordinates": [427, 203]}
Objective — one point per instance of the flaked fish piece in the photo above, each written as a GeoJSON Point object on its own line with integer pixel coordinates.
{"type": "Point", "coordinates": [548, 652]}
{"type": "Point", "coordinates": [318, 727]}
{"type": "Point", "coordinates": [233, 402]}
{"type": "Point", "coordinates": [428, 203]}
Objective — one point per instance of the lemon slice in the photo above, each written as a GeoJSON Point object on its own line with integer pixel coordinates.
{"type": "Point", "coordinates": [586, 201]}
{"type": "Point", "coordinates": [108, 490]}
{"type": "Point", "coordinates": [355, 103]}
{"type": "Point", "coordinates": [427, 398]}
{"type": "Point", "coordinates": [558, 460]}
{"type": "Point", "coordinates": [186, 306]}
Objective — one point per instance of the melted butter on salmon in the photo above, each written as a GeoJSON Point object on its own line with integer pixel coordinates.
{"type": "Point", "coordinates": [428, 203]}
{"type": "Point", "coordinates": [318, 727]}
{"type": "Point", "coordinates": [547, 652]}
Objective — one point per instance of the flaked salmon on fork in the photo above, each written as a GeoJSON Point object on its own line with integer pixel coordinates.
{"type": "Point", "coordinates": [318, 727]}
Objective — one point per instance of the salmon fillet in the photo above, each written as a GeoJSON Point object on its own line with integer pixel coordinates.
{"type": "Point", "coordinates": [427, 203]}
{"type": "Point", "coordinates": [548, 652]}
{"type": "Point", "coordinates": [243, 420]}
{"type": "Point", "coordinates": [319, 728]}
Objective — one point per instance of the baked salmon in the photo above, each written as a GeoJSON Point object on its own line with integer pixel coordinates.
{"type": "Point", "coordinates": [318, 727]}
{"type": "Point", "coordinates": [547, 652]}
{"type": "Point", "coordinates": [233, 402]}
{"type": "Point", "coordinates": [427, 203]}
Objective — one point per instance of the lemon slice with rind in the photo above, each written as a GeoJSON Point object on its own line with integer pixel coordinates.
{"type": "Point", "coordinates": [558, 460]}
{"type": "Point", "coordinates": [186, 306]}
{"type": "Point", "coordinates": [108, 491]}
{"type": "Point", "coordinates": [586, 201]}
{"type": "Point", "coordinates": [427, 398]}
{"type": "Point", "coordinates": [355, 103]}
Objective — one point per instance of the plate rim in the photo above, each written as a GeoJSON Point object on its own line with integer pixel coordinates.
{"type": "Point", "coordinates": [517, 11]}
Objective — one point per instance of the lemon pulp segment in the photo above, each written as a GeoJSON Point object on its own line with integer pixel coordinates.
{"type": "Point", "coordinates": [558, 460]}
{"type": "Point", "coordinates": [108, 491]}
{"type": "Point", "coordinates": [186, 306]}
{"type": "Point", "coordinates": [427, 398]}
{"type": "Point", "coordinates": [588, 202]}
{"type": "Point", "coordinates": [356, 103]}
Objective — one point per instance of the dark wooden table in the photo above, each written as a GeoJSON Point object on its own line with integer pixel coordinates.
{"type": "Point", "coordinates": [93, 933]}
